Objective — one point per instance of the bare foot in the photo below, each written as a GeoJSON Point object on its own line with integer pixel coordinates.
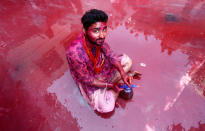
{"type": "Point", "coordinates": [135, 74]}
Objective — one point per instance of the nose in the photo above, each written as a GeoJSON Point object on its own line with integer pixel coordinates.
{"type": "Point", "coordinates": [102, 35]}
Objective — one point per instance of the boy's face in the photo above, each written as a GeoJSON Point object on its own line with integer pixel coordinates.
{"type": "Point", "coordinates": [96, 33]}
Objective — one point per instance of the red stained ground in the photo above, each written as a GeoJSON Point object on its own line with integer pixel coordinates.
{"type": "Point", "coordinates": [166, 41]}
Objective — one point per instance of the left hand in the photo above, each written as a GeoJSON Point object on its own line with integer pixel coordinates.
{"type": "Point", "coordinates": [116, 87]}
{"type": "Point", "coordinates": [127, 79]}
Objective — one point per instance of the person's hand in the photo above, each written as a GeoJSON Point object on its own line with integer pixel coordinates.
{"type": "Point", "coordinates": [127, 79]}
{"type": "Point", "coordinates": [116, 87]}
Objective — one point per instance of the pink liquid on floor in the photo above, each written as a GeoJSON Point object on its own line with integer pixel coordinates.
{"type": "Point", "coordinates": [166, 41]}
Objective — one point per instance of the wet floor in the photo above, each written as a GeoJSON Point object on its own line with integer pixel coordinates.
{"type": "Point", "coordinates": [166, 41]}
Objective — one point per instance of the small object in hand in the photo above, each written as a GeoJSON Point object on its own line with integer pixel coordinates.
{"type": "Point", "coordinates": [127, 93]}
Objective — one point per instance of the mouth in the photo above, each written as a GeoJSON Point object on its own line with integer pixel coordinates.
{"type": "Point", "coordinates": [100, 40]}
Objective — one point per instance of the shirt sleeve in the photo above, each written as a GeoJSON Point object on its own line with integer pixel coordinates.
{"type": "Point", "coordinates": [78, 68]}
{"type": "Point", "coordinates": [108, 52]}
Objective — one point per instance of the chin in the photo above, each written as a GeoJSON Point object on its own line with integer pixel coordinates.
{"type": "Point", "coordinates": [100, 43]}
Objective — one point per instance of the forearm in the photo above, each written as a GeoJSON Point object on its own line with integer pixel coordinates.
{"type": "Point", "coordinates": [119, 67]}
{"type": "Point", "coordinates": [101, 84]}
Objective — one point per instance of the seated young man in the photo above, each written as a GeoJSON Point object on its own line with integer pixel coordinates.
{"type": "Point", "coordinates": [94, 66]}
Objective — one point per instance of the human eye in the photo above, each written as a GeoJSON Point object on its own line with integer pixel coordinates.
{"type": "Point", "coordinates": [105, 29]}
{"type": "Point", "coordinates": [96, 31]}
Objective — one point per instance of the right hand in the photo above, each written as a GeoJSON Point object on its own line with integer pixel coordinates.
{"type": "Point", "coordinates": [127, 79]}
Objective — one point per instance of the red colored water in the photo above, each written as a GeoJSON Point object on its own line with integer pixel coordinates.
{"type": "Point", "coordinates": [164, 39]}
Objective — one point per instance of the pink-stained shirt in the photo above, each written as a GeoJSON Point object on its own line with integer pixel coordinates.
{"type": "Point", "coordinates": [82, 68]}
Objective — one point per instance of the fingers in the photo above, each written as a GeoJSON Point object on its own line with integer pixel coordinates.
{"type": "Point", "coordinates": [117, 89]}
{"type": "Point", "coordinates": [130, 79]}
{"type": "Point", "coordinates": [120, 84]}
{"type": "Point", "coordinates": [127, 83]}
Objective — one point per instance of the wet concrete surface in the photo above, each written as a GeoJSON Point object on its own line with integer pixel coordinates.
{"type": "Point", "coordinates": [164, 39]}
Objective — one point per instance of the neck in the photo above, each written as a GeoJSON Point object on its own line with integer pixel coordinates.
{"type": "Point", "coordinates": [89, 44]}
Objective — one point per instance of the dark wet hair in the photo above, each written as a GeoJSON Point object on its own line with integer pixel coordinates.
{"type": "Point", "coordinates": [92, 16]}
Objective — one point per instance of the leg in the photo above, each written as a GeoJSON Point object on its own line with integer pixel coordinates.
{"type": "Point", "coordinates": [126, 63]}
{"type": "Point", "coordinates": [103, 100]}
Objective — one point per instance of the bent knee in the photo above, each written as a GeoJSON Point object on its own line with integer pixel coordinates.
{"type": "Point", "coordinates": [126, 62]}
{"type": "Point", "coordinates": [106, 108]}
{"type": "Point", "coordinates": [107, 104]}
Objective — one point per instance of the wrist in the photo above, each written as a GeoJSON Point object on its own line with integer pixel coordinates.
{"type": "Point", "coordinates": [109, 85]}
{"type": "Point", "coordinates": [122, 74]}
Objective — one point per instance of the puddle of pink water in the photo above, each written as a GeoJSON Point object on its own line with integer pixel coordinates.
{"type": "Point", "coordinates": [164, 39]}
